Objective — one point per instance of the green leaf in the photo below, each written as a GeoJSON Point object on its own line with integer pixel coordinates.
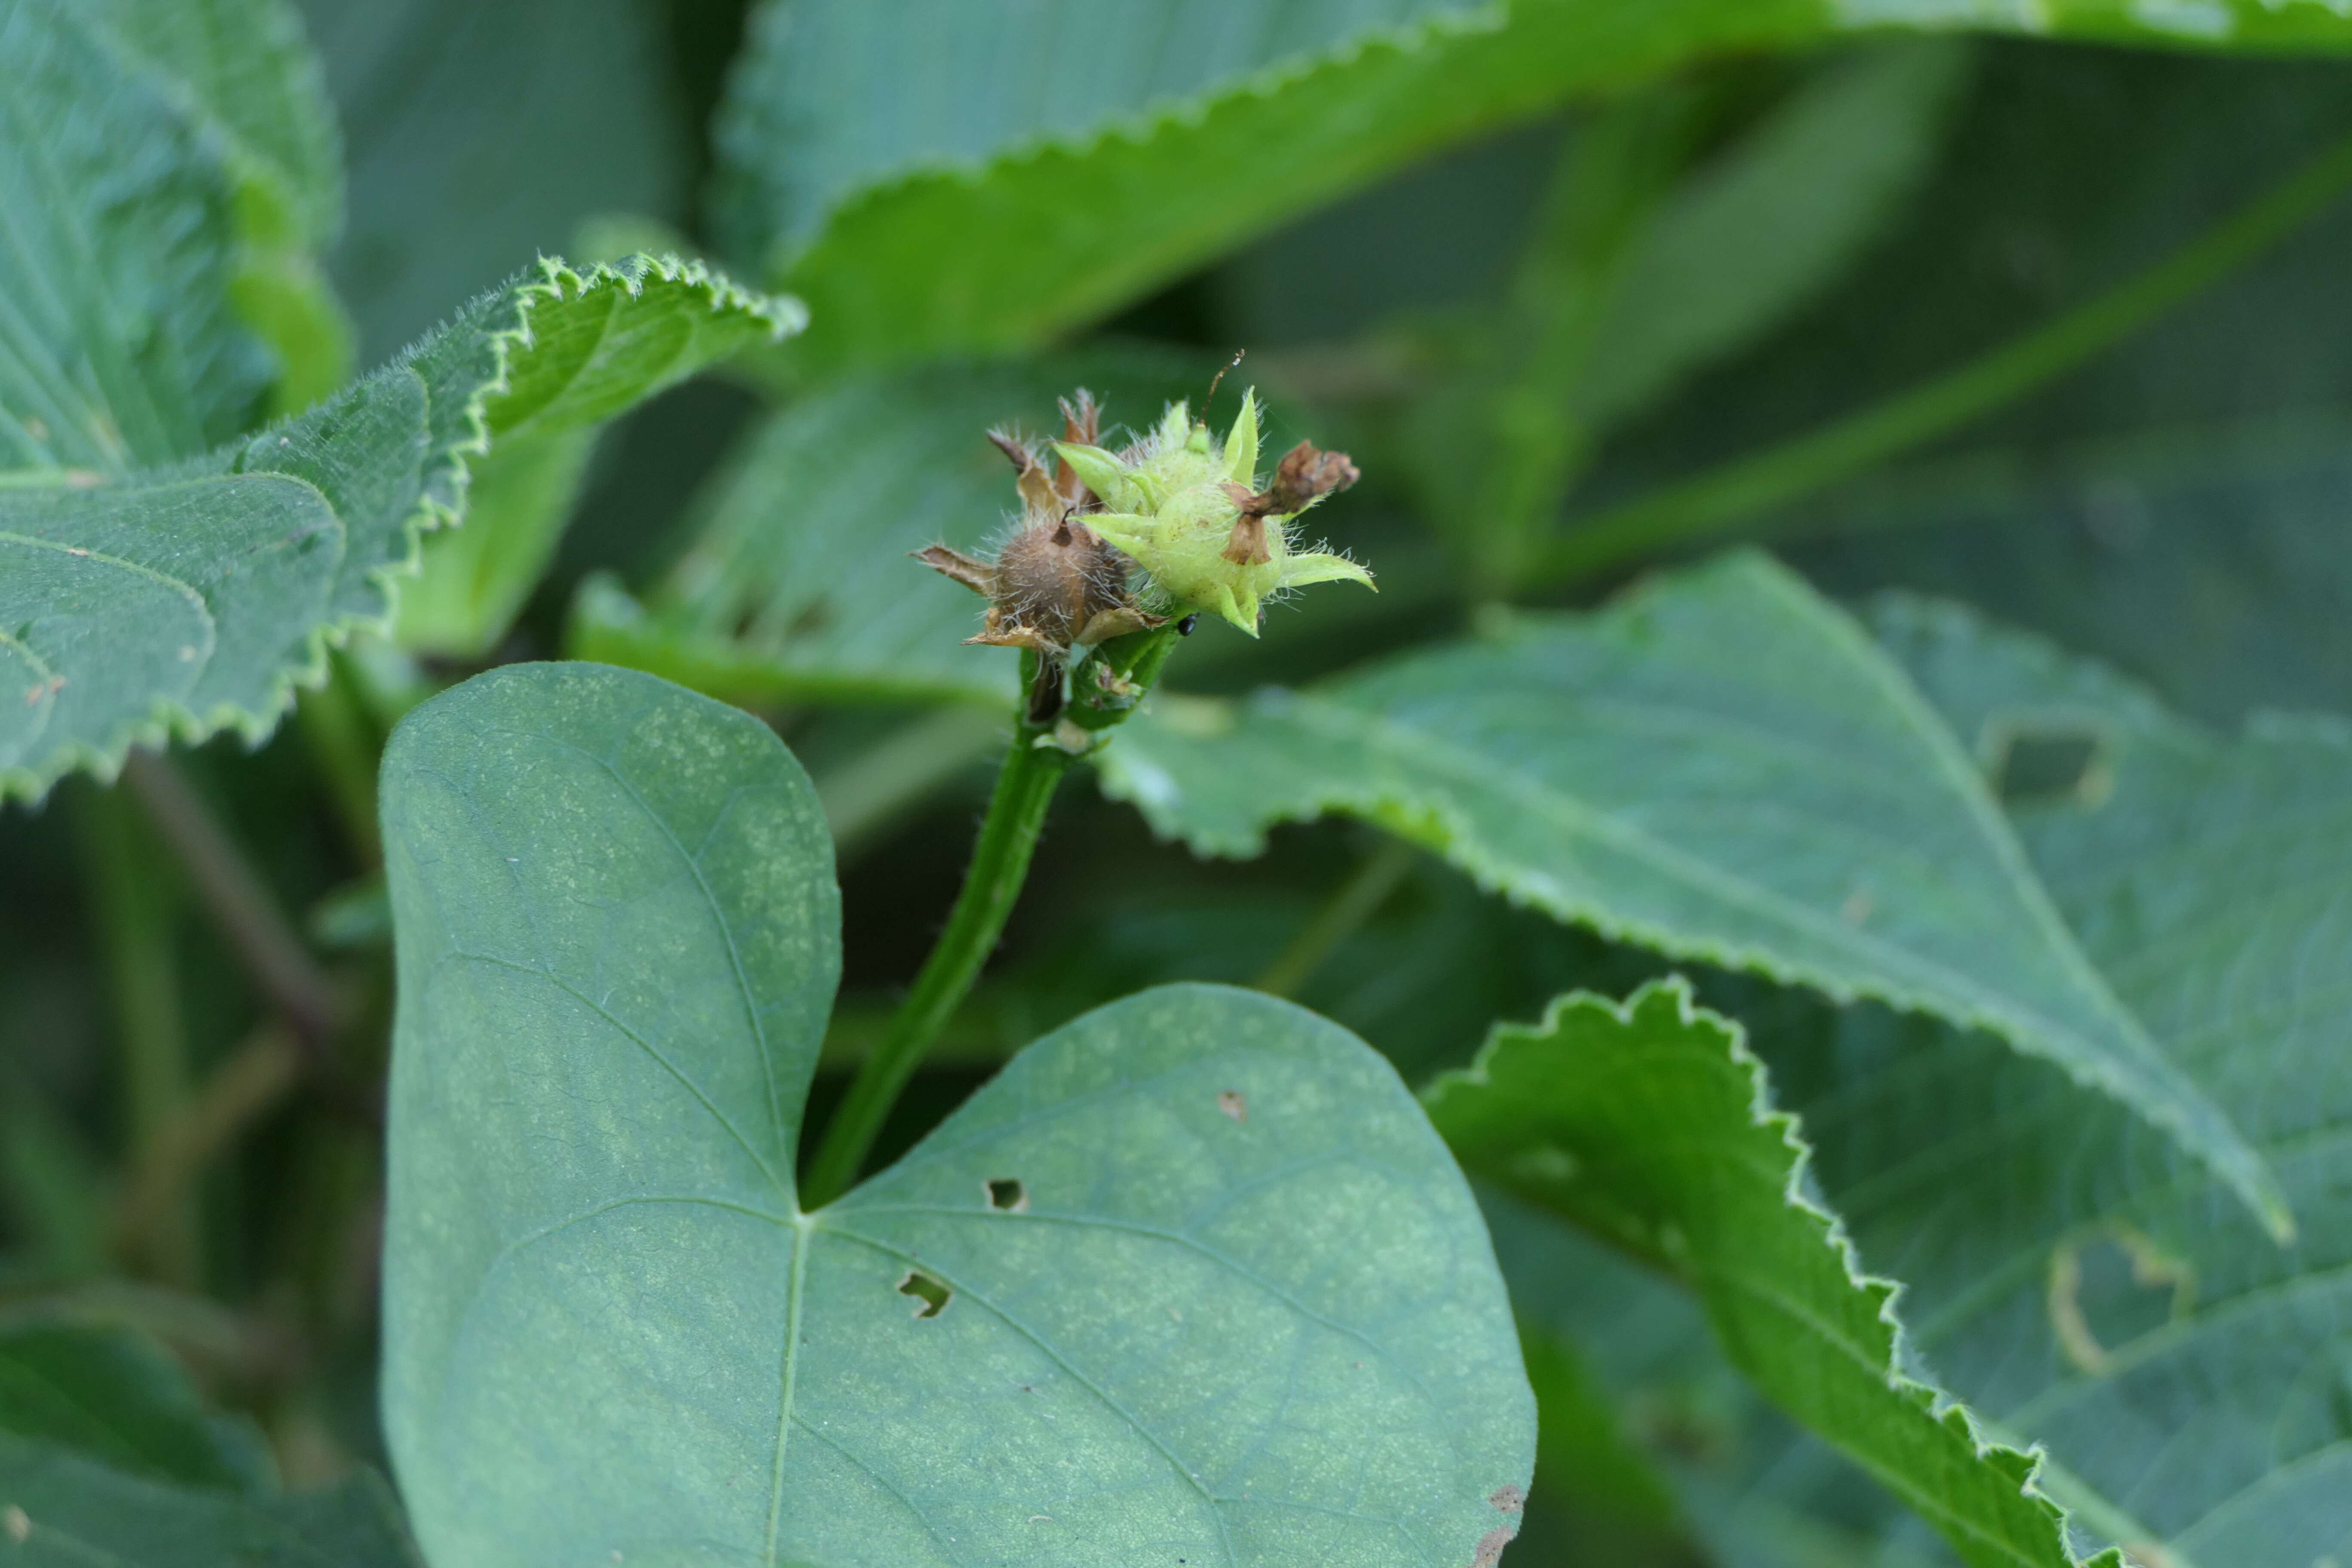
{"type": "Point", "coordinates": [1072, 165]}
{"type": "Point", "coordinates": [2080, 1283]}
{"type": "Point", "coordinates": [109, 1396]}
{"type": "Point", "coordinates": [122, 346]}
{"type": "Point", "coordinates": [479, 135]}
{"type": "Point", "coordinates": [1650, 1123]}
{"type": "Point", "coordinates": [1192, 1278]}
{"type": "Point", "coordinates": [2081, 1286]}
{"type": "Point", "coordinates": [245, 68]}
{"type": "Point", "coordinates": [1722, 766]}
{"type": "Point", "coordinates": [798, 586]}
{"type": "Point", "coordinates": [186, 600]}
{"type": "Point", "coordinates": [1766, 228]}
{"type": "Point", "coordinates": [58, 1510]}
{"type": "Point", "coordinates": [473, 581]}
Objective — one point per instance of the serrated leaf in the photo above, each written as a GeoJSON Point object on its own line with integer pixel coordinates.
{"type": "Point", "coordinates": [1074, 164]}
{"type": "Point", "coordinates": [1651, 1124]}
{"type": "Point", "coordinates": [473, 581]}
{"type": "Point", "coordinates": [1720, 766]}
{"type": "Point", "coordinates": [798, 585]}
{"type": "Point", "coordinates": [1192, 1278]}
{"type": "Point", "coordinates": [110, 1396]}
{"type": "Point", "coordinates": [2078, 1280]}
{"type": "Point", "coordinates": [59, 1509]}
{"type": "Point", "coordinates": [182, 601]}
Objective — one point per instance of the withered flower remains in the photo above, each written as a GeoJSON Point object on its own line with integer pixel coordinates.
{"type": "Point", "coordinates": [1056, 584]}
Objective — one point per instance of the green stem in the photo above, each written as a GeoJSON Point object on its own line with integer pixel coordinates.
{"type": "Point", "coordinates": [1356, 900]}
{"type": "Point", "coordinates": [134, 914]}
{"type": "Point", "coordinates": [1714, 503]}
{"type": "Point", "coordinates": [1000, 864]}
{"type": "Point", "coordinates": [255, 930]}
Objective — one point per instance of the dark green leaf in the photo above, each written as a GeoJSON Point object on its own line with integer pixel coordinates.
{"type": "Point", "coordinates": [479, 135]}
{"type": "Point", "coordinates": [1721, 766]}
{"type": "Point", "coordinates": [2075, 1279]}
{"type": "Point", "coordinates": [1192, 1279]}
{"type": "Point", "coordinates": [58, 1510]}
{"type": "Point", "coordinates": [1650, 1124]}
{"type": "Point", "coordinates": [113, 1398]}
{"type": "Point", "coordinates": [182, 601]}
{"type": "Point", "coordinates": [1070, 161]}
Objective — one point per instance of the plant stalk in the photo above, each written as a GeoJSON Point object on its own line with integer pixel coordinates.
{"type": "Point", "coordinates": [256, 931]}
{"type": "Point", "coordinates": [1718, 501]}
{"type": "Point", "coordinates": [1000, 864]}
{"type": "Point", "coordinates": [1355, 901]}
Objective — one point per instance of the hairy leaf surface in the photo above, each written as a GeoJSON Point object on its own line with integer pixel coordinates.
{"type": "Point", "coordinates": [1194, 1277]}
{"type": "Point", "coordinates": [1650, 1124]}
{"type": "Point", "coordinates": [1075, 157]}
{"type": "Point", "coordinates": [1721, 766]}
{"type": "Point", "coordinates": [188, 599]}
{"type": "Point", "coordinates": [2073, 1278]}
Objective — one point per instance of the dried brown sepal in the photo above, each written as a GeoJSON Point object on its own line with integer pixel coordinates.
{"type": "Point", "coordinates": [1037, 487]}
{"type": "Point", "coordinates": [1305, 475]}
{"type": "Point", "coordinates": [980, 576]}
{"type": "Point", "coordinates": [1081, 425]}
{"type": "Point", "coordinates": [1118, 622]}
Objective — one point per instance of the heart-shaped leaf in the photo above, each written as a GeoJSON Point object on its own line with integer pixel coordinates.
{"type": "Point", "coordinates": [1193, 1280]}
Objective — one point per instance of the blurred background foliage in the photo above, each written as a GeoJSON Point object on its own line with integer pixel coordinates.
{"type": "Point", "coordinates": [2056, 328]}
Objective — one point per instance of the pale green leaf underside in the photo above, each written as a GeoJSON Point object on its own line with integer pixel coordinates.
{"type": "Point", "coordinates": [1650, 1124]}
{"type": "Point", "coordinates": [118, 345]}
{"type": "Point", "coordinates": [185, 599]}
{"type": "Point", "coordinates": [75, 1513]}
{"type": "Point", "coordinates": [1720, 766]}
{"type": "Point", "coordinates": [2211, 881]}
{"type": "Point", "coordinates": [244, 69]}
{"type": "Point", "coordinates": [799, 586]}
{"type": "Point", "coordinates": [1241, 1309]}
{"type": "Point", "coordinates": [1073, 156]}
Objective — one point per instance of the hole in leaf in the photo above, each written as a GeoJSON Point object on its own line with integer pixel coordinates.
{"type": "Point", "coordinates": [2112, 1289]}
{"type": "Point", "coordinates": [1007, 1193]}
{"type": "Point", "coordinates": [2053, 765]}
{"type": "Point", "coordinates": [931, 1293]}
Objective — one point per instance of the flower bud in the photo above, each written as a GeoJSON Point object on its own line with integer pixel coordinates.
{"type": "Point", "coordinates": [1186, 508]}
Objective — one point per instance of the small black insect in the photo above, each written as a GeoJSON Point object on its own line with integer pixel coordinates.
{"type": "Point", "coordinates": [1184, 627]}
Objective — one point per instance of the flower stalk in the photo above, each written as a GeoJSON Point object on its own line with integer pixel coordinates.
{"type": "Point", "coordinates": [1188, 512]}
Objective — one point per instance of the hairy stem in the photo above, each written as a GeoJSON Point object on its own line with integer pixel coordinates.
{"type": "Point", "coordinates": [1000, 864]}
{"type": "Point", "coordinates": [1718, 501]}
